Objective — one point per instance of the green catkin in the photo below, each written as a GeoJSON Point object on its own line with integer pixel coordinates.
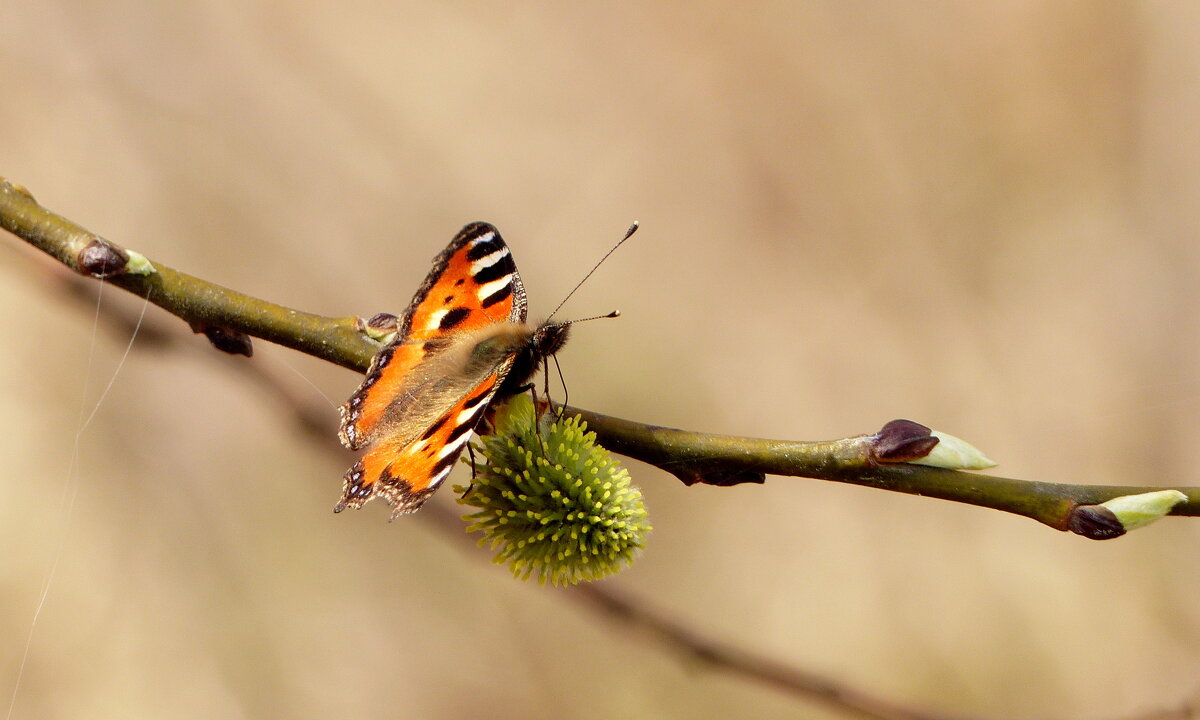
{"type": "Point", "coordinates": [551, 502]}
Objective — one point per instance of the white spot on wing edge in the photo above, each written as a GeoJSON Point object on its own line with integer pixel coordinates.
{"type": "Point", "coordinates": [455, 446]}
{"type": "Point", "coordinates": [489, 260]}
{"type": "Point", "coordinates": [435, 319]}
{"type": "Point", "coordinates": [467, 415]}
{"type": "Point", "coordinates": [486, 237]}
{"type": "Point", "coordinates": [439, 478]}
{"type": "Point", "coordinates": [494, 286]}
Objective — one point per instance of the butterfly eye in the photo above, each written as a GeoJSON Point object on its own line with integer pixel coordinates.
{"type": "Point", "coordinates": [550, 338]}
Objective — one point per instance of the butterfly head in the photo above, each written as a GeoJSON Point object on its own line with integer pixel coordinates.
{"type": "Point", "coordinates": [549, 338]}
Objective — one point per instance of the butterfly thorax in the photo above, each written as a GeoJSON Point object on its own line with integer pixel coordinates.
{"type": "Point", "coordinates": [494, 346]}
{"type": "Point", "coordinates": [546, 340]}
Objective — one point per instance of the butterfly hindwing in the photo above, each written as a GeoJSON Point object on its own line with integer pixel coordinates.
{"type": "Point", "coordinates": [406, 474]}
{"type": "Point", "coordinates": [426, 390]}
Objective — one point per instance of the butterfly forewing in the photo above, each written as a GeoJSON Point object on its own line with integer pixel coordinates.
{"type": "Point", "coordinates": [473, 284]}
{"type": "Point", "coordinates": [426, 390]}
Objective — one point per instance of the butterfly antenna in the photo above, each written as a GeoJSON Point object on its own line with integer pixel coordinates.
{"type": "Point", "coordinates": [605, 316]}
{"type": "Point", "coordinates": [628, 233]}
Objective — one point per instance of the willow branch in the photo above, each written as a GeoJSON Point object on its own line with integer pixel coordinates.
{"type": "Point", "coordinates": [199, 302]}
{"type": "Point", "coordinates": [691, 456]}
{"type": "Point", "coordinates": [854, 461]}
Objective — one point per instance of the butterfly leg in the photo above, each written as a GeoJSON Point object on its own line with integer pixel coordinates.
{"type": "Point", "coordinates": [471, 456]}
{"type": "Point", "coordinates": [474, 470]}
{"type": "Point", "coordinates": [537, 424]}
{"type": "Point", "coordinates": [562, 407]}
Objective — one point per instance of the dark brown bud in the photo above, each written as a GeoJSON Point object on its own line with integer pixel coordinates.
{"type": "Point", "coordinates": [379, 327]}
{"type": "Point", "coordinates": [101, 259]}
{"type": "Point", "coordinates": [721, 478]}
{"type": "Point", "coordinates": [233, 342]}
{"type": "Point", "coordinates": [1095, 522]}
{"type": "Point", "coordinates": [383, 322]}
{"type": "Point", "coordinates": [902, 441]}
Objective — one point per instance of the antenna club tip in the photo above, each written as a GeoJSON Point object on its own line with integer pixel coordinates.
{"type": "Point", "coordinates": [632, 229]}
{"type": "Point", "coordinates": [614, 314]}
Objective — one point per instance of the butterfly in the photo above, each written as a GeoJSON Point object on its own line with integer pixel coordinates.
{"type": "Point", "coordinates": [461, 343]}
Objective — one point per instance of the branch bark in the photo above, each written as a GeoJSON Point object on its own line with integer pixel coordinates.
{"type": "Point", "coordinates": [691, 456]}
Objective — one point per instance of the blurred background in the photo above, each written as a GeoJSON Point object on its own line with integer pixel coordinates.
{"type": "Point", "coordinates": [977, 216]}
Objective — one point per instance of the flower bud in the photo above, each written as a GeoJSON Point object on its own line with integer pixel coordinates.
{"type": "Point", "coordinates": [1134, 511]}
{"type": "Point", "coordinates": [954, 453]}
{"type": "Point", "coordinates": [551, 502]}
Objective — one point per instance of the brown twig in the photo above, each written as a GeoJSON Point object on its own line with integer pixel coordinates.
{"type": "Point", "coordinates": [691, 456]}
{"type": "Point", "coordinates": [196, 301]}
{"type": "Point", "coordinates": [758, 668]}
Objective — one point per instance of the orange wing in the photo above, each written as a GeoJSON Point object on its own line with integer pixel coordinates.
{"type": "Point", "coordinates": [405, 474]}
{"type": "Point", "coordinates": [415, 408]}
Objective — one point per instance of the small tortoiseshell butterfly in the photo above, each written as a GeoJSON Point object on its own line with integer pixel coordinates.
{"type": "Point", "coordinates": [462, 341]}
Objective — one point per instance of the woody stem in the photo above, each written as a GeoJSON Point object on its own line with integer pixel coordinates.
{"type": "Point", "coordinates": [691, 456]}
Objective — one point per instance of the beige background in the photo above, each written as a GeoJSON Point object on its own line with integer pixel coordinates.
{"type": "Point", "coordinates": [978, 216]}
